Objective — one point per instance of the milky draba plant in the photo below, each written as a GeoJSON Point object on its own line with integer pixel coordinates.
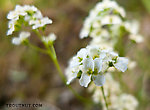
{"type": "Point", "coordinates": [117, 100]}
{"type": "Point", "coordinates": [106, 24]}
{"type": "Point", "coordinates": [27, 19]}
{"type": "Point", "coordinates": [109, 29]}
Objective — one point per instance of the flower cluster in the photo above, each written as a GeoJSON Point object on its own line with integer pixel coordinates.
{"type": "Point", "coordinates": [27, 15]}
{"type": "Point", "coordinates": [106, 23]}
{"type": "Point", "coordinates": [114, 96]}
{"type": "Point", "coordinates": [91, 63]}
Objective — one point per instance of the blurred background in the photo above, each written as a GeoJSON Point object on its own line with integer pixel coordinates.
{"type": "Point", "coordinates": [27, 76]}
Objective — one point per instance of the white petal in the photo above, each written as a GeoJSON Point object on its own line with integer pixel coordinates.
{"type": "Point", "coordinates": [74, 62]}
{"type": "Point", "coordinates": [93, 50]}
{"type": "Point", "coordinates": [70, 75]}
{"type": "Point", "coordinates": [88, 63]}
{"type": "Point", "coordinates": [85, 79]}
{"type": "Point", "coordinates": [82, 53]}
{"type": "Point", "coordinates": [99, 79]}
{"type": "Point", "coordinates": [98, 64]}
{"type": "Point", "coordinates": [121, 64]}
{"type": "Point", "coordinates": [105, 66]}
{"type": "Point", "coordinates": [16, 41]}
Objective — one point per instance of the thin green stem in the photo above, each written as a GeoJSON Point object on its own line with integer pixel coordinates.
{"type": "Point", "coordinates": [64, 80]}
{"type": "Point", "coordinates": [52, 54]}
{"type": "Point", "coordinates": [106, 104]}
{"type": "Point", "coordinates": [53, 50]}
{"type": "Point", "coordinates": [37, 48]}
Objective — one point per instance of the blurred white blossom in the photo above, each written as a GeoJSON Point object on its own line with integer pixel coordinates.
{"type": "Point", "coordinates": [40, 22]}
{"type": "Point", "coordinates": [50, 38]}
{"type": "Point", "coordinates": [106, 23]}
{"type": "Point", "coordinates": [26, 14]}
{"type": "Point", "coordinates": [22, 37]}
{"type": "Point", "coordinates": [115, 98]}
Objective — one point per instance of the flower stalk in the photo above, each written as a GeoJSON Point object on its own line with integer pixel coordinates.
{"type": "Point", "coordinates": [106, 104]}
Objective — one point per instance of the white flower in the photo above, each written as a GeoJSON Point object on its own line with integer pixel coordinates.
{"type": "Point", "coordinates": [70, 77]}
{"type": "Point", "coordinates": [50, 38]}
{"type": "Point", "coordinates": [99, 79]}
{"type": "Point", "coordinates": [91, 63]}
{"type": "Point", "coordinates": [28, 8]}
{"type": "Point", "coordinates": [121, 64]}
{"type": "Point", "coordinates": [40, 22]}
{"type": "Point", "coordinates": [88, 64]}
{"type": "Point", "coordinates": [11, 26]}
{"type": "Point", "coordinates": [132, 64]}
{"type": "Point", "coordinates": [128, 102]}
{"type": "Point", "coordinates": [111, 19]}
{"type": "Point", "coordinates": [27, 14]}
{"type": "Point", "coordinates": [111, 87]}
{"type": "Point", "coordinates": [19, 11]}
{"type": "Point", "coordinates": [22, 37]}
{"type": "Point", "coordinates": [85, 79]}
{"type": "Point", "coordinates": [82, 53]}
{"type": "Point", "coordinates": [115, 98]}
{"type": "Point", "coordinates": [137, 38]}
{"type": "Point", "coordinates": [132, 26]}
{"type": "Point", "coordinates": [101, 19]}
{"type": "Point", "coordinates": [36, 15]}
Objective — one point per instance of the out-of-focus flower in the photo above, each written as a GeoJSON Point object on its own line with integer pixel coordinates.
{"type": "Point", "coordinates": [115, 98]}
{"type": "Point", "coordinates": [50, 38]}
{"type": "Point", "coordinates": [11, 26]}
{"type": "Point", "coordinates": [137, 38]}
{"type": "Point", "coordinates": [15, 14]}
{"type": "Point", "coordinates": [26, 14]}
{"type": "Point", "coordinates": [91, 63]}
{"type": "Point", "coordinates": [132, 64]}
{"type": "Point", "coordinates": [106, 23]}
{"type": "Point", "coordinates": [105, 13]}
{"type": "Point", "coordinates": [22, 37]}
{"type": "Point", "coordinates": [133, 29]}
{"type": "Point", "coordinates": [111, 19]}
{"type": "Point", "coordinates": [127, 102]}
{"type": "Point", "coordinates": [40, 22]}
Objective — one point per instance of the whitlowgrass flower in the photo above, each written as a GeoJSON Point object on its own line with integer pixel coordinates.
{"type": "Point", "coordinates": [111, 19]}
{"type": "Point", "coordinates": [22, 37]}
{"type": "Point", "coordinates": [91, 63]}
{"type": "Point", "coordinates": [49, 39]}
{"type": "Point", "coordinates": [40, 22]}
{"type": "Point", "coordinates": [11, 26]}
{"type": "Point", "coordinates": [137, 38]}
{"type": "Point", "coordinates": [23, 15]}
{"type": "Point", "coordinates": [132, 64]}
{"type": "Point", "coordinates": [19, 11]}
{"type": "Point", "coordinates": [127, 102]}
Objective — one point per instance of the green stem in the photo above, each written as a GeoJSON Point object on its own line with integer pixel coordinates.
{"type": "Point", "coordinates": [37, 48]}
{"type": "Point", "coordinates": [106, 104]}
{"type": "Point", "coordinates": [52, 54]}
{"type": "Point", "coordinates": [64, 80]}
